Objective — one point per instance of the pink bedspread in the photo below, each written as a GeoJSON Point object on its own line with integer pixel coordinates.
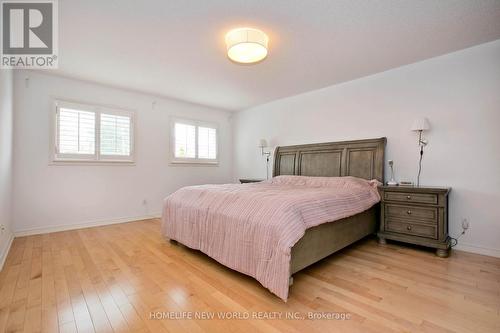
{"type": "Point", "coordinates": [251, 228]}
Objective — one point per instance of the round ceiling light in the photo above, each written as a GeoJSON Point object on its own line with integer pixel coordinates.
{"type": "Point", "coordinates": [246, 45]}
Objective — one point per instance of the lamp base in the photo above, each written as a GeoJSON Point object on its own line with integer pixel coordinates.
{"type": "Point", "coordinates": [392, 183]}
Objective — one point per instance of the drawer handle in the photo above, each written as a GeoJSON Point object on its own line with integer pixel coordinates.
{"type": "Point", "coordinates": [408, 212]}
{"type": "Point", "coordinates": [408, 197]}
{"type": "Point", "coordinates": [408, 228]}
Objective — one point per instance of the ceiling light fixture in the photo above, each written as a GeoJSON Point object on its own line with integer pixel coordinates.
{"type": "Point", "coordinates": [246, 45]}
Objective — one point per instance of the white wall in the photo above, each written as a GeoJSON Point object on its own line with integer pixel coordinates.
{"type": "Point", "coordinates": [47, 197]}
{"type": "Point", "coordinates": [458, 92]}
{"type": "Point", "coordinates": [6, 115]}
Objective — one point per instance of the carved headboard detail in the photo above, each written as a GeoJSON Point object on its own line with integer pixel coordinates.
{"type": "Point", "coordinates": [359, 158]}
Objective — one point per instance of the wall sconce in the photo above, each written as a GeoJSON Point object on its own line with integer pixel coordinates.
{"type": "Point", "coordinates": [420, 125]}
{"type": "Point", "coordinates": [262, 145]}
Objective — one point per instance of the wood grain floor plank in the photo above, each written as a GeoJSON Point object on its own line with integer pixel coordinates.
{"type": "Point", "coordinates": [49, 303]}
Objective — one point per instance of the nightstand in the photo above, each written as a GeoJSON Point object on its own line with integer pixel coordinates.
{"type": "Point", "coordinates": [249, 180]}
{"type": "Point", "coordinates": [417, 215]}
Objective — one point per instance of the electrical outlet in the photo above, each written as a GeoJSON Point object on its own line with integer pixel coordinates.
{"type": "Point", "coordinates": [465, 224]}
{"type": "Point", "coordinates": [2, 228]}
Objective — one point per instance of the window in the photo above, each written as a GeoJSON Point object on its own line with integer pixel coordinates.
{"type": "Point", "coordinates": [194, 142]}
{"type": "Point", "coordinates": [92, 133]}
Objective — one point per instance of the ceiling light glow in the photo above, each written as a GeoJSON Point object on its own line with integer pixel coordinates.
{"type": "Point", "coordinates": [246, 45]}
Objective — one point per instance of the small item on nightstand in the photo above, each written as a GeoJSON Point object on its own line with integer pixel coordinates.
{"type": "Point", "coordinates": [250, 180]}
{"type": "Point", "coordinates": [392, 182]}
{"type": "Point", "coordinates": [405, 183]}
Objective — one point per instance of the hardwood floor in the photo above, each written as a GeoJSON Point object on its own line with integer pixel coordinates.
{"type": "Point", "coordinates": [118, 277]}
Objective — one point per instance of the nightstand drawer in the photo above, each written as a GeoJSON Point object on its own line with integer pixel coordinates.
{"type": "Point", "coordinates": [426, 198]}
{"type": "Point", "coordinates": [419, 213]}
{"type": "Point", "coordinates": [414, 229]}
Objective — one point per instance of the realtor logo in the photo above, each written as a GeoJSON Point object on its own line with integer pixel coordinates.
{"type": "Point", "coordinates": [29, 34]}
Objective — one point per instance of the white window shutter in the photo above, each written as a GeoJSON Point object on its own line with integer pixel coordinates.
{"type": "Point", "coordinates": [207, 143]}
{"type": "Point", "coordinates": [185, 141]}
{"type": "Point", "coordinates": [76, 132]}
{"type": "Point", "coordinates": [115, 139]}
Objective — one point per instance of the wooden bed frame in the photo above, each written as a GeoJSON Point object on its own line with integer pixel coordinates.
{"type": "Point", "coordinates": [359, 158]}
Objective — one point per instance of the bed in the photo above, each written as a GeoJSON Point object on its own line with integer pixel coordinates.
{"type": "Point", "coordinates": [275, 234]}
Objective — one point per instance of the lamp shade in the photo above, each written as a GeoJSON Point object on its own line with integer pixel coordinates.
{"type": "Point", "coordinates": [262, 143]}
{"type": "Point", "coordinates": [420, 124]}
{"type": "Point", "coordinates": [246, 45]}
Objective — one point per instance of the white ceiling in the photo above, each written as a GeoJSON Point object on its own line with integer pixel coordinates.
{"type": "Point", "coordinates": [175, 48]}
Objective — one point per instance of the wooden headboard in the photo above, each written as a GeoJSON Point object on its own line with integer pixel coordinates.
{"type": "Point", "coordinates": [359, 158]}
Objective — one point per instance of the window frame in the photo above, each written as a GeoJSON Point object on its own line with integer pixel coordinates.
{"type": "Point", "coordinates": [97, 157]}
{"type": "Point", "coordinates": [193, 160]}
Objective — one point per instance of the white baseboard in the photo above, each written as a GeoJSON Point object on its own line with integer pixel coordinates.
{"type": "Point", "coordinates": [88, 224]}
{"type": "Point", "coordinates": [478, 249]}
{"type": "Point", "coordinates": [5, 251]}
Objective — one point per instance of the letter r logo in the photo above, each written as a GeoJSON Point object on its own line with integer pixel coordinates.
{"type": "Point", "coordinates": [27, 27]}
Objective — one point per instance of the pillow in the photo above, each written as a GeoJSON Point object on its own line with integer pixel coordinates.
{"type": "Point", "coordinates": [339, 182]}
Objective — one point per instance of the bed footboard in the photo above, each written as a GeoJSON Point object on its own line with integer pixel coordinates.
{"type": "Point", "coordinates": [321, 241]}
